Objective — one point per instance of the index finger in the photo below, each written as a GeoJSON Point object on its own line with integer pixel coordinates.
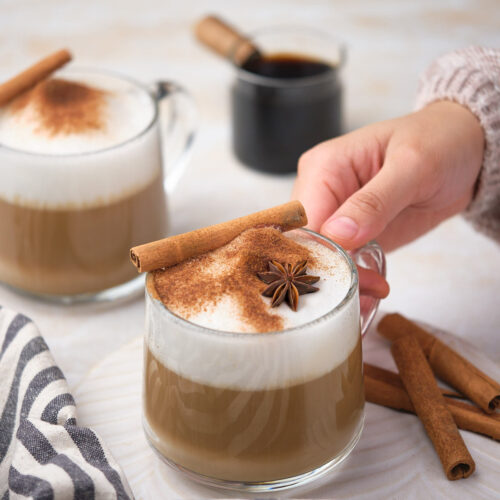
{"type": "Point", "coordinates": [324, 181]}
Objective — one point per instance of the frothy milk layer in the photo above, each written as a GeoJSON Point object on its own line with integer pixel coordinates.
{"type": "Point", "coordinates": [257, 361]}
{"type": "Point", "coordinates": [104, 157]}
{"type": "Point", "coordinates": [125, 111]}
{"type": "Point", "coordinates": [331, 267]}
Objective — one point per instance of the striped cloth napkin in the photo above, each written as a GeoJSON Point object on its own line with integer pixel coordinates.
{"type": "Point", "coordinates": [44, 454]}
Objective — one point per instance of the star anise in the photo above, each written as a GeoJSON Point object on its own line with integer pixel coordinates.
{"type": "Point", "coordinates": [287, 282]}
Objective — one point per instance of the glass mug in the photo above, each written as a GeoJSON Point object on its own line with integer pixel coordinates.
{"type": "Point", "coordinates": [68, 220]}
{"type": "Point", "coordinates": [287, 100]}
{"type": "Point", "coordinates": [221, 406]}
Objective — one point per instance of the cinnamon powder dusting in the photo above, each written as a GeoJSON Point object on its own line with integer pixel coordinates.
{"type": "Point", "coordinates": [64, 107]}
{"type": "Point", "coordinates": [198, 283]}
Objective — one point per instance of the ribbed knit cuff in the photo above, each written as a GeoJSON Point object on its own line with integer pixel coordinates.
{"type": "Point", "coordinates": [471, 77]}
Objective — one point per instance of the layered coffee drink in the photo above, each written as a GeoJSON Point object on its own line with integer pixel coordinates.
{"type": "Point", "coordinates": [82, 182]}
{"type": "Point", "coordinates": [240, 391]}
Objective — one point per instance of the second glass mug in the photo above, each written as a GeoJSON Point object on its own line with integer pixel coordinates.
{"type": "Point", "coordinates": [73, 245]}
{"type": "Point", "coordinates": [220, 407]}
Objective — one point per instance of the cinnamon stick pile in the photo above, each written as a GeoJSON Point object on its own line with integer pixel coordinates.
{"type": "Point", "coordinates": [420, 357]}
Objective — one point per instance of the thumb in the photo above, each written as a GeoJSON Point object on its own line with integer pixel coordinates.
{"type": "Point", "coordinates": [366, 213]}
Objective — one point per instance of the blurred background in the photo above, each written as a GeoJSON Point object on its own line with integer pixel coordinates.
{"type": "Point", "coordinates": [389, 41]}
{"type": "Point", "coordinates": [389, 44]}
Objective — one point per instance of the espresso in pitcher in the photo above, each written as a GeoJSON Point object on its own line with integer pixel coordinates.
{"type": "Point", "coordinates": [286, 66]}
{"type": "Point", "coordinates": [82, 183]}
{"type": "Point", "coordinates": [282, 105]}
{"type": "Point", "coordinates": [236, 400]}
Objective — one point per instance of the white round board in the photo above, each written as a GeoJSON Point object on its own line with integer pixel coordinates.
{"type": "Point", "coordinates": [393, 460]}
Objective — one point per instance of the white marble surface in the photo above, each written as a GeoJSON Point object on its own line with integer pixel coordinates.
{"type": "Point", "coordinates": [449, 278]}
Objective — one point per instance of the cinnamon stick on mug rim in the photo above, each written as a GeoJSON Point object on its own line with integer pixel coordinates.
{"type": "Point", "coordinates": [32, 75]}
{"type": "Point", "coordinates": [384, 388]}
{"type": "Point", "coordinates": [170, 251]}
{"type": "Point", "coordinates": [431, 408]}
{"type": "Point", "coordinates": [446, 363]}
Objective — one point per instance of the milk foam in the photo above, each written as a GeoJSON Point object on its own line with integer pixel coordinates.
{"type": "Point", "coordinates": [248, 361]}
{"type": "Point", "coordinates": [127, 111]}
{"type": "Point", "coordinates": [81, 169]}
{"type": "Point", "coordinates": [334, 283]}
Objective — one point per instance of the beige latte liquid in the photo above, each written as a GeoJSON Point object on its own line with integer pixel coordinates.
{"type": "Point", "coordinates": [253, 435]}
{"type": "Point", "coordinates": [68, 251]}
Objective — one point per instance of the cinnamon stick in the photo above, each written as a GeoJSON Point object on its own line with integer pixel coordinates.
{"type": "Point", "coordinates": [31, 76]}
{"type": "Point", "coordinates": [394, 379]}
{"type": "Point", "coordinates": [431, 408]}
{"type": "Point", "coordinates": [225, 40]}
{"type": "Point", "coordinates": [383, 387]}
{"type": "Point", "coordinates": [446, 363]}
{"type": "Point", "coordinates": [170, 251]}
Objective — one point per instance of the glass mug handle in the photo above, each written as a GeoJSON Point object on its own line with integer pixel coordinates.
{"type": "Point", "coordinates": [370, 256]}
{"type": "Point", "coordinates": [178, 120]}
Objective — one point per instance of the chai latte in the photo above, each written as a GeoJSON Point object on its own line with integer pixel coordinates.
{"type": "Point", "coordinates": [256, 394]}
{"type": "Point", "coordinates": [82, 182]}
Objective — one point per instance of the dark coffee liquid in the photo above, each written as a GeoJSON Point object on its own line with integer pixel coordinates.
{"type": "Point", "coordinates": [286, 66]}
{"type": "Point", "coordinates": [291, 104]}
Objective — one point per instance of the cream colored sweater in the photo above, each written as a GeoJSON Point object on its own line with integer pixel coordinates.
{"type": "Point", "coordinates": [471, 77]}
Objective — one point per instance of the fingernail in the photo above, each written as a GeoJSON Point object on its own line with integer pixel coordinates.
{"type": "Point", "coordinates": [342, 227]}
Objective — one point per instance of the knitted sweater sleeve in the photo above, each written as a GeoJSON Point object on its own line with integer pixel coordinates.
{"type": "Point", "coordinates": [471, 77]}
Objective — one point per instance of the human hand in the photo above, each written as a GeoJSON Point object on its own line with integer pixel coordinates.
{"type": "Point", "coordinates": [393, 180]}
